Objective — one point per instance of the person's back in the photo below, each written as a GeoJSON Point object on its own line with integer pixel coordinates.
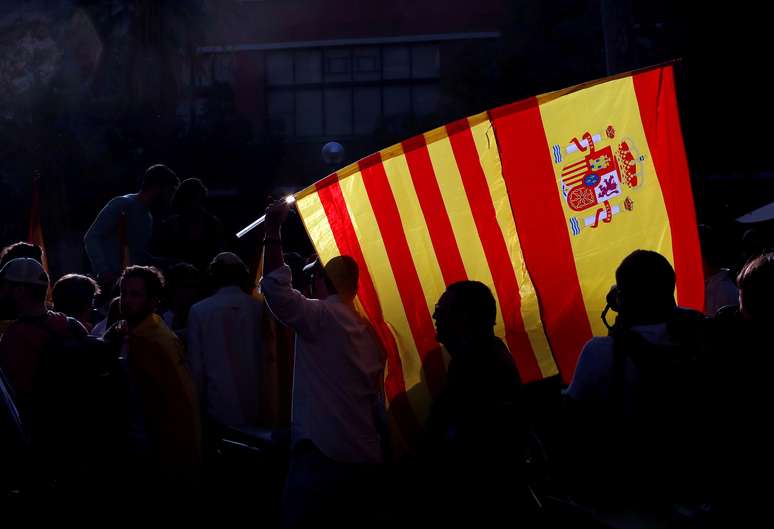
{"type": "Point", "coordinates": [338, 401]}
{"type": "Point", "coordinates": [23, 350]}
{"type": "Point", "coordinates": [337, 408]}
{"type": "Point", "coordinates": [335, 390]}
{"type": "Point", "coordinates": [28, 339]}
{"type": "Point", "coordinates": [124, 220]}
{"type": "Point", "coordinates": [43, 355]}
{"type": "Point", "coordinates": [742, 344]}
{"type": "Point", "coordinates": [477, 425]}
{"type": "Point", "coordinates": [338, 370]}
{"type": "Point", "coordinates": [224, 347]}
{"type": "Point", "coordinates": [481, 401]}
{"type": "Point", "coordinates": [127, 220]}
{"type": "Point", "coordinates": [638, 398]}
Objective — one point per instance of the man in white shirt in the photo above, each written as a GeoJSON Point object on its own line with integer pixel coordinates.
{"type": "Point", "coordinates": [225, 349]}
{"type": "Point", "coordinates": [337, 388]}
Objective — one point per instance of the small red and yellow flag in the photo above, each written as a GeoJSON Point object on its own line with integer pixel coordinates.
{"type": "Point", "coordinates": [540, 200]}
{"type": "Point", "coordinates": [35, 233]}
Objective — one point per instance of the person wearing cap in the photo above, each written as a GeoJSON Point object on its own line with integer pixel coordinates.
{"type": "Point", "coordinates": [225, 347]}
{"type": "Point", "coordinates": [14, 251]}
{"type": "Point", "coordinates": [25, 285]}
{"type": "Point", "coordinates": [338, 402]}
{"type": "Point", "coordinates": [130, 214]}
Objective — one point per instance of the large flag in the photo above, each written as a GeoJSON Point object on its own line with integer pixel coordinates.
{"type": "Point", "coordinates": [540, 200]}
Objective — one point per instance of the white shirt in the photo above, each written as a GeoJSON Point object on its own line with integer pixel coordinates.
{"type": "Point", "coordinates": [594, 372]}
{"type": "Point", "coordinates": [338, 372]}
{"type": "Point", "coordinates": [225, 354]}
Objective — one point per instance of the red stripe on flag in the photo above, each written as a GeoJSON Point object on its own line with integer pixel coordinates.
{"type": "Point", "coordinates": [434, 210]}
{"type": "Point", "coordinates": [495, 247]}
{"type": "Point", "coordinates": [409, 285]}
{"type": "Point", "coordinates": [656, 97]}
{"type": "Point", "coordinates": [542, 227]}
{"type": "Point", "coordinates": [572, 181]}
{"type": "Point", "coordinates": [573, 176]}
{"type": "Point", "coordinates": [580, 170]}
{"type": "Point", "coordinates": [335, 208]}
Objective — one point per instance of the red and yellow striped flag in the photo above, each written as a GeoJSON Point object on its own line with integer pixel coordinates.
{"type": "Point", "coordinates": [540, 200]}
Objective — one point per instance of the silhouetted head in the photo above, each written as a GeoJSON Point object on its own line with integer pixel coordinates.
{"type": "Point", "coordinates": [340, 276]}
{"type": "Point", "coordinates": [756, 289]}
{"type": "Point", "coordinates": [645, 283]}
{"type": "Point", "coordinates": [141, 290]}
{"type": "Point", "coordinates": [465, 313]}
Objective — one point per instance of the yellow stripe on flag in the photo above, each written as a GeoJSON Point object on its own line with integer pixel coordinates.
{"type": "Point", "coordinates": [416, 231]}
{"type": "Point", "coordinates": [486, 145]}
{"type": "Point", "coordinates": [317, 226]}
{"type": "Point", "coordinates": [461, 218]}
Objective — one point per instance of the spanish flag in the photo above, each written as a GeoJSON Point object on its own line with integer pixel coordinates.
{"type": "Point", "coordinates": [540, 200]}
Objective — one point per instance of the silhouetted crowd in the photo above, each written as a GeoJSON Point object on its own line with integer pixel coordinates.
{"type": "Point", "coordinates": [177, 378]}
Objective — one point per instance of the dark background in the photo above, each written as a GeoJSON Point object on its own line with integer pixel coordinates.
{"type": "Point", "coordinates": [243, 94]}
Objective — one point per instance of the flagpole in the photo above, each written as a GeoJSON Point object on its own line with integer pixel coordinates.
{"type": "Point", "coordinates": [290, 199]}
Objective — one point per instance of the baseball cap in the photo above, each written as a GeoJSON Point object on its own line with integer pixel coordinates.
{"type": "Point", "coordinates": [25, 270]}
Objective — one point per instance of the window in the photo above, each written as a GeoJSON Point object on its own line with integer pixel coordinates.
{"type": "Point", "coordinates": [368, 109]}
{"type": "Point", "coordinates": [308, 66]}
{"type": "Point", "coordinates": [279, 68]}
{"type": "Point", "coordinates": [397, 101]}
{"type": "Point", "coordinates": [426, 100]}
{"type": "Point", "coordinates": [281, 109]}
{"type": "Point", "coordinates": [338, 111]}
{"type": "Point", "coordinates": [309, 114]}
{"type": "Point", "coordinates": [338, 62]}
{"type": "Point", "coordinates": [425, 63]}
{"type": "Point", "coordinates": [341, 91]}
{"type": "Point", "coordinates": [397, 62]}
{"type": "Point", "coordinates": [367, 64]}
